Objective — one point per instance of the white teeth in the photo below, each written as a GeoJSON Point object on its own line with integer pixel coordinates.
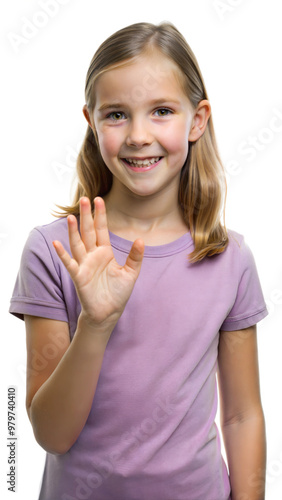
{"type": "Point", "coordinates": [143, 163]}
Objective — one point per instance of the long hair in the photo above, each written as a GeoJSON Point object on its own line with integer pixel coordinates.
{"type": "Point", "coordinates": [202, 188]}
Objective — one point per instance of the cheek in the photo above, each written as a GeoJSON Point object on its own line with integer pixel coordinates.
{"type": "Point", "coordinates": [176, 141]}
{"type": "Point", "coordinates": [109, 143]}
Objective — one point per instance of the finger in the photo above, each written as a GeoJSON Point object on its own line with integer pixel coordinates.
{"type": "Point", "coordinates": [69, 263]}
{"type": "Point", "coordinates": [135, 257]}
{"type": "Point", "coordinates": [76, 244]}
{"type": "Point", "coordinates": [100, 223]}
{"type": "Point", "coordinates": [86, 225]}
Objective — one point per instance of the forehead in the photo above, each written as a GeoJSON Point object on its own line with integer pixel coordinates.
{"type": "Point", "coordinates": [148, 76]}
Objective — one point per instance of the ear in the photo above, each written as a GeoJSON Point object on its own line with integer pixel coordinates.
{"type": "Point", "coordinates": [200, 120]}
{"type": "Point", "coordinates": [86, 113]}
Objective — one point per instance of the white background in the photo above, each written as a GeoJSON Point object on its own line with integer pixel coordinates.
{"type": "Point", "coordinates": [238, 46]}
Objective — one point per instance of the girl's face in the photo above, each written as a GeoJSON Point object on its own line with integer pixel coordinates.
{"type": "Point", "coordinates": [143, 119]}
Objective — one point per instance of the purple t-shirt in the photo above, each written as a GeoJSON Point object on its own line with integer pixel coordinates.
{"type": "Point", "coordinates": [150, 434]}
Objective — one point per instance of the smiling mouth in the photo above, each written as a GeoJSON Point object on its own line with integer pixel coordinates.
{"type": "Point", "coordinates": [142, 163]}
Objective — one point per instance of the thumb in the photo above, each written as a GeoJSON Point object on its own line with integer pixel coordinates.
{"type": "Point", "coordinates": [135, 257]}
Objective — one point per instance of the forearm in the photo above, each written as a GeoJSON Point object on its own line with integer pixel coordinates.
{"type": "Point", "coordinates": [245, 445]}
{"type": "Point", "coordinates": [60, 407]}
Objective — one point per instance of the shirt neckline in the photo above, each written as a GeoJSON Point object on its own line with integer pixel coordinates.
{"type": "Point", "coordinates": [174, 247]}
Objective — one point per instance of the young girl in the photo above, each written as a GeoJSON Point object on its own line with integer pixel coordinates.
{"type": "Point", "coordinates": [130, 315]}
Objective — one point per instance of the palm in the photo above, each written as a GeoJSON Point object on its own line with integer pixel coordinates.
{"type": "Point", "coordinates": [102, 285]}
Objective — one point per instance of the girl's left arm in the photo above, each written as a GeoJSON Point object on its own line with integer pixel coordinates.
{"type": "Point", "coordinates": [242, 419]}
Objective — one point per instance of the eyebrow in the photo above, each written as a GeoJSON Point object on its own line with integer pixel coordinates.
{"type": "Point", "coordinates": [156, 102]}
{"type": "Point", "coordinates": [108, 105]}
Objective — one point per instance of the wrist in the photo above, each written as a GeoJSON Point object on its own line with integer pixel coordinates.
{"type": "Point", "coordinates": [86, 326]}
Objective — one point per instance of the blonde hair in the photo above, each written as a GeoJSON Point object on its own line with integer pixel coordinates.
{"type": "Point", "coordinates": [202, 188]}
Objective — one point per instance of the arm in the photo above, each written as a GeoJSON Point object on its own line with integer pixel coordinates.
{"type": "Point", "coordinates": [61, 391]}
{"type": "Point", "coordinates": [63, 384]}
{"type": "Point", "coordinates": [242, 419]}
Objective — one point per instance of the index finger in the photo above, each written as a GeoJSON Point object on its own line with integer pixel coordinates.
{"type": "Point", "coordinates": [100, 223]}
{"type": "Point", "coordinates": [86, 225]}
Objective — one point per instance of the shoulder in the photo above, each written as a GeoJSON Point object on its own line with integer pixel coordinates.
{"type": "Point", "coordinates": [241, 260]}
{"type": "Point", "coordinates": [240, 268]}
{"type": "Point", "coordinates": [236, 240]}
{"type": "Point", "coordinates": [237, 246]}
{"type": "Point", "coordinates": [39, 244]}
{"type": "Point", "coordinates": [54, 230]}
{"type": "Point", "coordinates": [237, 259]}
{"type": "Point", "coordinates": [44, 235]}
{"type": "Point", "coordinates": [43, 283]}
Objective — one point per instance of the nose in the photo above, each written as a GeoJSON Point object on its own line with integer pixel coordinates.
{"type": "Point", "coordinates": [138, 134]}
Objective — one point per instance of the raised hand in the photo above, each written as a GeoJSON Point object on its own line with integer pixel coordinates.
{"type": "Point", "coordinates": [103, 286]}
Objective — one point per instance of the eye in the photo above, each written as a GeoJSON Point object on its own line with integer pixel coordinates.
{"type": "Point", "coordinates": [116, 116]}
{"type": "Point", "coordinates": [163, 112]}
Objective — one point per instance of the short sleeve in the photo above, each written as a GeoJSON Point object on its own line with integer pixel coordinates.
{"type": "Point", "coordinates": [249, 307]}
{"type": "Point", "coordinates": [38, 290]}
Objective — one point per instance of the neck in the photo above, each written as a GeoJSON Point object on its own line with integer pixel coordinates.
{"type": "Point", "coordinates": [127, 211]}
